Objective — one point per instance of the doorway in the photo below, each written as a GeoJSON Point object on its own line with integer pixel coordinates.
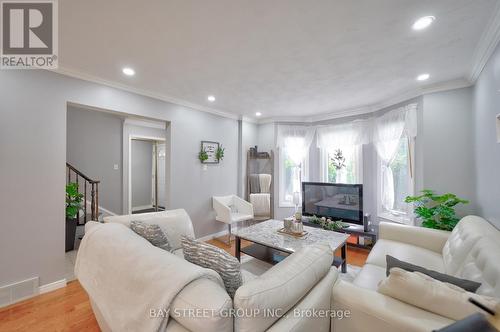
{"type": "Point", "coordinates": [147, 175]}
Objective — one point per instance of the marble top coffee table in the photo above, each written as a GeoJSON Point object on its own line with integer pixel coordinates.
{"type": "Point", "coordinates": [271, 246]}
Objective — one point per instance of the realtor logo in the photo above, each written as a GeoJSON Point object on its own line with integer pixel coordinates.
{"type": "Point", "coordinates": [29, 35]}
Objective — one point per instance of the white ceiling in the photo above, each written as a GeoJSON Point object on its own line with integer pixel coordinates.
{"type": "Point", "coordinates": [280, 57]}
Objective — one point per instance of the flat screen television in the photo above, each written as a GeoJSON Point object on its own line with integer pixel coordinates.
{"type": "Point", "coordinates": [333, 200]}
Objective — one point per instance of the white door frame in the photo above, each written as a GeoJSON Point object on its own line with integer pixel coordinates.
{"type": "Point", "coordinates": [130, 138]}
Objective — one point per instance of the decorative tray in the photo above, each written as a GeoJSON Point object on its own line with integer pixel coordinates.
{"type": "Point", "coordinates": [297, 235]}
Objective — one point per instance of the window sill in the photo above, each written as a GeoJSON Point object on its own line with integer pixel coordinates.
{"type": "Point", "coordinates": [397, 218]}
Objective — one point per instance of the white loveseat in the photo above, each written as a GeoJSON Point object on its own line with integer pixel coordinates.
{"type": "Point", "coordinates": [471, 251]}
{"type": "Point", "coordinates": [302, 282]}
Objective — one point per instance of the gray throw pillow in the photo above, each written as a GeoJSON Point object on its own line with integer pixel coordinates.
{"type": "Point", "coordinates": [151, 232]}
{"type": "Point", "coordinates": [211, 257]}
{"type": "Point", "coordinates": [468, 285]}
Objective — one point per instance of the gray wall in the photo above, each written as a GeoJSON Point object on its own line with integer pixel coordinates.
{"type": "Point", "coordinates": [487, 150]}
{"type": "Point", "coordinates": [94, 146]}
{"type": "Point", "coordinates": [142, 171]}
{"type": "Point", "coordinates": [447, 138]}
{"type": "Point", "coordinates": [33, 150]}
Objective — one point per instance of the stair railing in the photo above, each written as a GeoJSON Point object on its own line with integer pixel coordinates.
{"type": "Point", "coordinates": [75, 174]}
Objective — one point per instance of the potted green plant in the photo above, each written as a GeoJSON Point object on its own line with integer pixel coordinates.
{"type": "Point", "coordinates": [219, 154]}
{"type": "Point", "coordinates": [436, 211]}
{"type": "Point", "coordinates": [73, 206]}
{"type": "Point", "coordinates": [203, 156]}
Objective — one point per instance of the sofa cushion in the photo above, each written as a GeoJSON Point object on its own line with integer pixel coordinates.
{"type": "Point", "coordinates": [432, 295]}
{"type": "Point", "coordinates": [369, 276]}
{"type": "Point", "coordinates": [211, 257]}
{"type": "Point", "coordinates": [405, 252]}
{"type": "Point", "coordinates": [482, 265]}
{"type": "Point", "coordinates": [468, 231]}
{"type": "Point", "coordinates": [151, 232]}
{"type": "Point", "coordinates": [468, 285]}
{"type": "Point", "coordinates": [281, 287]}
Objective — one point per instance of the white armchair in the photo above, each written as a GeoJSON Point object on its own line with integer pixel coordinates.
{"type": "Point", "coordinates": [232, 209]}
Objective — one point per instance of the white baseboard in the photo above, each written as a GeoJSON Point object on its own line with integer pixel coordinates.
{"type": "Point", "coordinates": [212, 236]}
{"type": "Point", "coordinates": [52, 286]}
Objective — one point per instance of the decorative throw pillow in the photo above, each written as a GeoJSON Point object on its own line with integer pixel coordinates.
{"type": "Point", "coordinates": [468, 285]}
{"type": "Point", "coordinates": [152, 233]}
{"type": "Point", "coordinates": [211, 257]}
{"type": "Point", "coordinates": [432, 295]}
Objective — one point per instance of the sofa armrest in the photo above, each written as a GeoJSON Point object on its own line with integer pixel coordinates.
{"type": "Point", "coordinates": [358, 309]}
{"type": "Point", "coordinates": [431, 239]}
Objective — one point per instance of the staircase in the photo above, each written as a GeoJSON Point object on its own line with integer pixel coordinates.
{"type": "Point", "coordinates": [89, 188]}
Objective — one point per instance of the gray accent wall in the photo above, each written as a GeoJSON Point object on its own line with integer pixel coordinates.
{"type": "Point", "coordinates": [94, 146]}
{"type": "Point", "coordinates": [141, 168]}
{"type": "Point", "coordinates": [447, 145]}
{"type": "Point", "coordinates": [487, 150]}
{"type": "Point", "coordinates": [33, 150]}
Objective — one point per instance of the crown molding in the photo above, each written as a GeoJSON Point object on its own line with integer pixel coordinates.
{"type": "Point", "coordinates": [457, 83]}
{"type": "Point", "coordinates": [486, 45]}
{"type": "Point", "coordinates": [94, 79]}
{"type": "Point", "coordinates": [248, 119]}
{"type": "Point", "coordinates": [401, 97]}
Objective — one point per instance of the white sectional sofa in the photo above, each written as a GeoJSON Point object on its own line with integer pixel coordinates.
{"type": "Point", "coordinates": [111, 264]}
{"type": "Point", "coordinates": [471, 251]}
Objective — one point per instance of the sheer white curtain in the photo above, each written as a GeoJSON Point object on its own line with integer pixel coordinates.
{"type": "Point", "coordinates": [349, 137]}
{"type": "Point", "coordinates": [295, 142]}
{"type": "Point", "coordinates": [387, 133]}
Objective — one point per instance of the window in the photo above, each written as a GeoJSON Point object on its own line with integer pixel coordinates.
{"type": "Point", "coordinates": [342, 165]}
{"type": "Point", "coordinates": [291, 176]}
{"type": "Point", "coordinates": [393, 192]}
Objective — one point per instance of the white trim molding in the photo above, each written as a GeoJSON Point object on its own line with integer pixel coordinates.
{"type": "Point", "coordinates": [212, 236]}
{"type": "Point", "coordinates": [145, 123]}
{"type": "Point", "coordinates": [401, 97]}
{"type": "Point", "coordinates": [94, 79]}
{"type": "Point", "coordinates": [486, 45]}
{"type": "Point", "coordinates": [52, 286]}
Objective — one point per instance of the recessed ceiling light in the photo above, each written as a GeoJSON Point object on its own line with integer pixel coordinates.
{"type": "Point", "coordinates": [423, 77]}
{"type": "Point", "coordinates": [128, 71]}
{"type": "Point", "coordinates": [423, 22]}
{"type": "Point", "coordinates": [211, 99]}
{"type": "Point", "coordinates": [258, 114]}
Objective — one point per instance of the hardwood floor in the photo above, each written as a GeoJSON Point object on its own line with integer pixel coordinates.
{"type": "Point", "coordinates": [65, 309]}
{"type": "Point", "coordinates": [68, 308]}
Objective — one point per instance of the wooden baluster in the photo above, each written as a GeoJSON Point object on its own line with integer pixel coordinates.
{"type": "Point", "coordinates": [69, 175]}
{"type": "Point", "coordinates": [92, 204]}
{"type": "Point", "coordinates": [97, 201]}
{"type": "Point", "coordinates": [85, 202]}
{"type": "Point", "coordinates": [77, 190]}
